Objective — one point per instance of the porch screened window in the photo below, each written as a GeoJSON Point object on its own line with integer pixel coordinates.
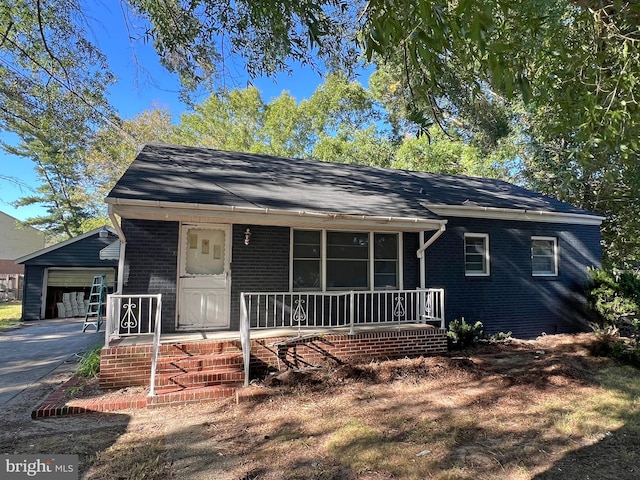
{"type": "Point", "coordinates": [476, 254]}
{"type": "Point", "coordinates": [544, 256]}
{"type": "Point", "coordinates": [336, 260]}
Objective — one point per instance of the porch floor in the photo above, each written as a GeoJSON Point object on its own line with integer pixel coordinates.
{"type": "Point", "coordinates": [180, 337]}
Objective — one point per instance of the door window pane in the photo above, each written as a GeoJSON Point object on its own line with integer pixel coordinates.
{"type": "Point", "coordinates": [205, 252]}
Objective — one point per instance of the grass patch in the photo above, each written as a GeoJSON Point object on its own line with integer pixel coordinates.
{"type": "Point", "coordinates": [10, 314]}
{"type": "Point", "coordinates": [134, 457]}
{"type": "Point", "coordinates": [89, 365]}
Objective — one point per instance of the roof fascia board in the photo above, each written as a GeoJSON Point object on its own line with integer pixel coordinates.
{"type": "Point", "coordinates": [495, 213]}
{"type": "Point", "coordinates": [189, 212]}
{"type": "Point", "coordinates": [69, 241]}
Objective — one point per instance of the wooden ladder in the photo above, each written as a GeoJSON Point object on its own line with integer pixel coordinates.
{"type": "Point", "coordinates": [97, 298]}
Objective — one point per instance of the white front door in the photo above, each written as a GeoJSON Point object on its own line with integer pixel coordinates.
{"type": "Point", "coordinates": [204, 277]}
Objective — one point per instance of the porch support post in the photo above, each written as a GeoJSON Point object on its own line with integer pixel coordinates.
{"type": "Point", "coordinates": [423, 263]}
{"type": "Point", "coordinates": [245, 338]}
{"type": "Point", "coordinates": [123, 246]}
{"type": "Point", "coordinates": [423, 246]}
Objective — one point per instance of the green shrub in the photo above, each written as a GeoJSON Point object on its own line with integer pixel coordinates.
{"type": "Point", "coordinates": [89, 365]}
{"type": "Point", "coordinates": [500, 336]}
{"type": "Point", "coordinates": [614, 299]}
{"type": "Point", "coordinates": [462, 334]}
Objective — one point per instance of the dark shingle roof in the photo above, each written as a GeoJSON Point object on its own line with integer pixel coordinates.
{"type": "Point", "coordinates": [171, 173]}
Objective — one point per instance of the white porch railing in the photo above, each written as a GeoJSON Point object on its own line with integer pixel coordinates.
{"type": "Point", "coordinates": [268, 310]}
{"type": "Point", "coordinates": [135, 315]}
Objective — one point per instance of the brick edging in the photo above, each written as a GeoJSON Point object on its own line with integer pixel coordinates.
{"type": "Point", "coordinates": [55, 404]}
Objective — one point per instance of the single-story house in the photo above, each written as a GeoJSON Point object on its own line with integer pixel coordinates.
{"type": "Point", "coordinates": [66, 268]}
{"type": "Point", "coordinates": [238, 242]}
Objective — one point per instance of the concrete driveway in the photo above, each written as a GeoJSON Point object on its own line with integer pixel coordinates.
{"type": "Point", "coordinates": [32, 352]}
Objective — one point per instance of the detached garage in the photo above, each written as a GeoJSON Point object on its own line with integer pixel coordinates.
{"type": "Point", "coordinates": [67, 268]}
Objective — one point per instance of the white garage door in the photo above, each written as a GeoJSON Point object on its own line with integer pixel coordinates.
{"type": "Point", "coordinates": [78, 277]}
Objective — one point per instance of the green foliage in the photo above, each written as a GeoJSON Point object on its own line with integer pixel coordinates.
{"type": "Point", "coordinates": [542, 92]}
{"type": "Point", "coordinates": [500, 336]}
{"type": "Point", "coordinates": [194, 39]}
{"type": "Point", "coordinates": [53, 84]}
{"type": "Point", "coordinates": [462, 334]}
{"type": "Point", "coordinates": [337, 123]}
{"type": "Point", "coordinates": [613, 298]}
{"type": "Point", "coordinates": [89, 365]}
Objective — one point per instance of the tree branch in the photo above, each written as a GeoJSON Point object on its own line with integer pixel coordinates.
{"type": "Point", "coordinates": [45, 44]}
{"type": "Point", "coordinates": [6, 34]}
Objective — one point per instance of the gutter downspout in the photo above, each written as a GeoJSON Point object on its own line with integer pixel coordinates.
{"type": "Point", "coordinates": [420, 252]}
{"type": "Point", "coordinates": [123, 246]}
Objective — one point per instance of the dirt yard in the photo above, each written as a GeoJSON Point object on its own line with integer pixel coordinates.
{"type": "Point", "coordinates": [545, 409]}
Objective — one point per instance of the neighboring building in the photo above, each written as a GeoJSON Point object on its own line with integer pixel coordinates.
{"type": "Point", "coordinates": [67, 267]}
{"type": "Point", "coordinates": [15, 241]}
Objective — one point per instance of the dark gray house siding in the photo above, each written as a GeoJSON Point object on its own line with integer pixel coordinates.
{"type": "Point", "coordinates": [510, 298]}
{"type": "Point", "coordinates": [32, 293]}
{"type": "Point", "coordinates": [151, 263]}
{"type": "Point", "coordinates": [410, 264]}
{"type": "Point", "coordinates": [261, 266]}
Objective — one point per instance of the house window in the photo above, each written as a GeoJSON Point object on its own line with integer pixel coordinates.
{"type": "Point", "coordinates": [347, 260]}
{"type": "Point", "coordinates": [307, 251]}
{"type": "Point", "coordinates": [385, 263]}
{"type": "Point", "coordinates": [476, 254]}
{"type": "Point", "coordinates": [326, 260]}
{"type": "Point", "coordinates": [544, 256]}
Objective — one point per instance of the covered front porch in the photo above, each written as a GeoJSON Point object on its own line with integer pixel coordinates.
{"type": "Point", "coordinates": [277, 330]}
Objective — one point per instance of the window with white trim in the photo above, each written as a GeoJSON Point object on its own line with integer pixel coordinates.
{"type": "Point", "coordinates": [476, 254]}
{"type": "Point", "coordinates": [544, 256]}
{"type": "Point", "coordinates": [342, 260]}
{"type": "Point", "coordinates": [385, 261]}
{"type": "Point", "coordinates": [307, 259]}
{"type": "Point", "coordinates": [347, 260]}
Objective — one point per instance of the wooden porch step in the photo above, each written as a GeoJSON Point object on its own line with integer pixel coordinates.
{"type": "Point", "coordinates": [198, 363]}
{"type": "Point", "coordinates": [219, 376]}
{"type": "Point", "coordinates": [174, 396]}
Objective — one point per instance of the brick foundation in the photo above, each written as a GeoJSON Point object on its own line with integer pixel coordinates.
{"type": "Point", "coordinates": [123, 366]}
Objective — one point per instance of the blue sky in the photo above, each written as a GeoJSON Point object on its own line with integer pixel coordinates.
{"type": "Point", "coordinates": [135, 92]}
